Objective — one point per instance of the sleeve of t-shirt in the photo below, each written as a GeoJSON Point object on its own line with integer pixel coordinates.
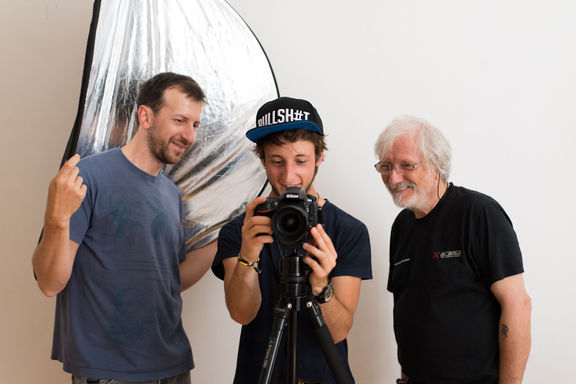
{"type": "Point", "coordinates": [229, 243]}
{"type": "Point", "coordinates": [354, 254]}
{"type": "Point", "coordinates": [497, 240]}
{"type": "Point", "coordinates": [182, 254]}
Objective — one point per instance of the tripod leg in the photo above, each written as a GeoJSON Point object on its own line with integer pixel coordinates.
{"type": "Point", "coordinates": [341, 374]}
{"type": "Point", "coordinates": [281, 312]}
{"type": "Point", "coordinates": [292, 352]}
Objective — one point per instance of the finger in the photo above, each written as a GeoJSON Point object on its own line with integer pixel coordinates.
{"type": "Point", "coordinates": [315, 267]}
{"type": "Point", "coordinates": [69, 171]}
{"type": "Point", "coordinates": [319, 276]}
{"type": "Point", "coordinates": [263, 222]}
{"type": "Point", "coordinates": [326, 239]}
{"type": "Point", "coordinates": [79, 182]}
{"type": "Point", "coordinates": [259, 220]}
{"type": "Point", "coordinates": [74, 178]}
{"type": "Point", "coordinates": [73, 160]}
{"type": "Point", "coordinates": [265, 239]}
{"type": "Point", "coordinates": [312, 250]}
{"type": "Point", "coordinates": [253, 204]}
{"type": "Point", "coordinates": [83, 189]}
{"type": "Point", "coordinates": [256, 230]}
{"type": "Point", "coordinates": [251, 241]}
{"type": "Point", "coordinates": [318, 238]}
{"type": "Point", "coordinates": [320, 263]}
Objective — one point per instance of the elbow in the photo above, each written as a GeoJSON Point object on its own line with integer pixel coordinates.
{"type": "Point", "coordinates": [51, 280]}
{"type": "Point", "coordinates": [240, 317]}
{"type": "Point", "coordinates": [341, 334]}
{"type": "Point", "coordinates": [50, 288]}
{"type": "Point", "coordinates": [186, 284]}
{"type": "Point", "coordinates": [241, 312]}
{"type": "Point", "coordinates": [48, 291]}
{"type": "Point", "coordinates": [339, 339]}
{"type": "Point", "coordinates": [241, 321]}
{"type": "Point", "coordinates": [526, 304]}
{"type": "Point", "coordinates": [241, 309]}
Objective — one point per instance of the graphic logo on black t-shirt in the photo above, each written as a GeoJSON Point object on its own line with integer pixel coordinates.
{"type": "Point", "coordinates": [446, 254]}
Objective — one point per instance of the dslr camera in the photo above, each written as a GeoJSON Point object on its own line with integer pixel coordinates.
{"type": "Point", "coordinates": [293, 214]}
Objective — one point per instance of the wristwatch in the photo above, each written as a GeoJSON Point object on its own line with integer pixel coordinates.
{"type": "Point", "coordinates": [326, 294]}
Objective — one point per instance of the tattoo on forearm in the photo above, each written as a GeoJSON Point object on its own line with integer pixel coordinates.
{"type": "Point", "coordinates": [505, 330]}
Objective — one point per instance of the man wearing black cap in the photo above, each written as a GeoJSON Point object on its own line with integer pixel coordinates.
{"type": "Point", "coordinates": [289, 139]}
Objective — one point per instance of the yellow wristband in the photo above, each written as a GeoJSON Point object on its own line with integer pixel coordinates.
{"type": "Point", "coordinates": [253, 264]}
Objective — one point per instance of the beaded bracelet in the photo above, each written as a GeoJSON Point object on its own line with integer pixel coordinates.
{"type": "Point", "coordinates": [253, 264]}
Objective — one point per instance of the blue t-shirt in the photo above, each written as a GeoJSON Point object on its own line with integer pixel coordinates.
{"type": "Point", "coordinates": [119, 316]}
{"type": "Point", "coordinates": [352, 243]}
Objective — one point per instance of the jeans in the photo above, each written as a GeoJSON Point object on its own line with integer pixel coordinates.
{"type": "Point", "coordinates": [184, 378]}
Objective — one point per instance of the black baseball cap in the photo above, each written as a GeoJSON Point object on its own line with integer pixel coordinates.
{"type": "Point", "coordinates": [285, 114]}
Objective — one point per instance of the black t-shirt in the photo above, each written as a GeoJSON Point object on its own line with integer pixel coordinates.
{"type": "Point", "coordinates": [352, 243]}
{"type": "Point", "coordinates": [441, 269]}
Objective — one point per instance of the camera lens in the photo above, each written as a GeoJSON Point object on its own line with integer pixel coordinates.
{"type": "Point", "coordinates": [290, 225]}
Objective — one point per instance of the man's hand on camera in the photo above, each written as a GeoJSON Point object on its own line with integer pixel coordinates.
{"type": "Point", "coordinates": [256, 232]}
{"type": "Point", "coordinates": [323, 260]}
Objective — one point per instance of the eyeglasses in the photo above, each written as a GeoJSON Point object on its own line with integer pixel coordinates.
{"type": "Point", "coordinates": [386, 168]}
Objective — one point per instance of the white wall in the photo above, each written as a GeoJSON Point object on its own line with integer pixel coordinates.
{"type": "Point", "coordinates": [496, 76]}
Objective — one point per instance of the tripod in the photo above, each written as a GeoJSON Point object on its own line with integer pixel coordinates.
{"type": "Point", "coordinates": [295, 295]}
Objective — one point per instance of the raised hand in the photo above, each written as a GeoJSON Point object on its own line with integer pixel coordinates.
{"type": "Point", "coordinates": [66, 192]}
{"type": "Point", "coordinates": [256, 231]}
{"type": "Point", "coordinates": [324, 260]}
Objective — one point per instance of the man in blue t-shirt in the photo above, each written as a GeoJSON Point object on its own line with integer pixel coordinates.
{"type": "Point", "coordinates": [113, 248]}
{"type": "Point", "coordinates": [461, 311]}
{"type": "Point", "coordinates": [289, 141]}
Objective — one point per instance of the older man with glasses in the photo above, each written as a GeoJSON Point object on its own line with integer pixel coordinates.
{"type": "Point", "coordinates": [461, 311]}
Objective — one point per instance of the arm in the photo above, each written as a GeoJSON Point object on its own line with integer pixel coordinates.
{"type": "Point", "coordinates": [197, 262]}
{"type": "Point", "coordinates": [403, 378]}
{"type": "Point", "coordinates": [54, 256]}
{"type": "Point", "coordinates": [241, 285]}
{"type": "Point", "coordinates": [338, 313]}
{"type": "Point", "coordinates": [514, 336]}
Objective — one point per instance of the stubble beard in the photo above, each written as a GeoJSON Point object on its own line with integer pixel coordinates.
{"type": "Point", "coordinates": [161, 150]}
{"type": "Point", "coordinates": [305, 187]}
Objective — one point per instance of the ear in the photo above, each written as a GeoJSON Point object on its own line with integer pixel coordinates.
{"type": "Point", "coordinates": [320, 159]}
{"type": "Point", "coordinates": [145, 116]}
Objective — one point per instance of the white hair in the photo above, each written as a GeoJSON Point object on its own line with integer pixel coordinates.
{"type": "Point", "coordinates": [432, 143]}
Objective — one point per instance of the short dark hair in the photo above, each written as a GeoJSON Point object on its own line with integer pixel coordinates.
{"type": "Point", "coordinates": [152, 90]}
{"type": "Point", "coordinates": [291, 136]}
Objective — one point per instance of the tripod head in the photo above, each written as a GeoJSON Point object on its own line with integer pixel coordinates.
{"type": "Point", "coordinates": [293, 277]}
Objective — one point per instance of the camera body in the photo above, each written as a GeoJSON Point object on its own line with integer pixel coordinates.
{"type": "Point", "coordinates": [293, 214]}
